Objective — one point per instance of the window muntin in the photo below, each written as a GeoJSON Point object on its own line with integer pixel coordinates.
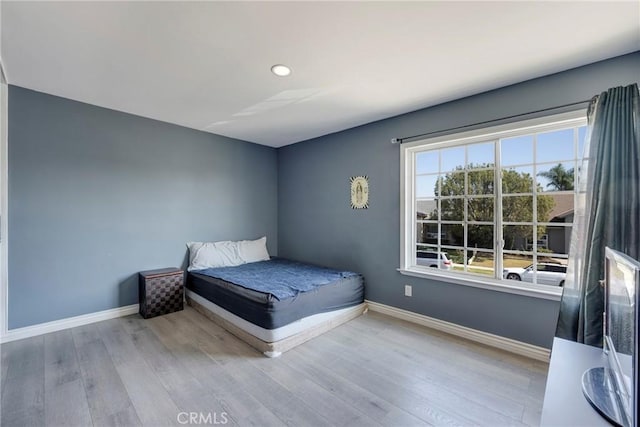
{"type": "Point", "coordinates": [498, 204]}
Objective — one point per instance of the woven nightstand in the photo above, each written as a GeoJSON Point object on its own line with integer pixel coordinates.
{"type": "Point", "coordinates": [160, 291]}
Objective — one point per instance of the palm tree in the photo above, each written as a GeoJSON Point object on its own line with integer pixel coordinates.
{"type": "Point", "coordinates": [560, 179]}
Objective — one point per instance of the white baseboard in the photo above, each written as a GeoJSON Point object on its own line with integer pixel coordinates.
{"type": "Point", "coordinates": [507, 344]}
{"type": "Point", "coordinates": [70, 322]}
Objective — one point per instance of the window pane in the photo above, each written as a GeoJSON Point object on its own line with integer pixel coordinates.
{"type": "Point", "coordinates": [426, 247]}
{"type": "Point", "coordinates": [582, 134]}
{"type": "Point", "coordinates": [427, 233]}
{"type": "Point", "coordinates": [452, 234]}
{"type": "Point", "coordinates": [428, 256]}
{"type": "Point", "coordinates": [457, 258]}
{"type": "Point", "coordinates": [558, 239]}
{"type": "Point", "coordinates": [452, 184]}
{"type": "Point", "coordinates": [480, 209]}
{"type": "Point", "coordinates": [555, 177]}
{"type": "Point", "coordinates": [539, 245]}
{"type": "Point", "coordinates": [555, 207]}
{"type": "Point", "coordinates": [480, 182]}
{"type": "Point", "coordinates": [517, 237]}
{"type": "Point", "coordinates": [515, 267]}
{"type": "Point", "coordinates": [427, 209]}
{"type": "Point", "coordinates": [452, 158]}
{"type": "Point", "coordinates": [481, 155]}
{"type": "Point", "coordinates": [480, 236]}
{"type": "Point", "coordinates": [550, 273]}
{"type": "Point", "coordinates": [426, 185]}
{"type": "Point", "coordinates": [556, 145]}
{"type": "Point", "coordinates": [452, 209]}
{"type": "Point", "coordinates": [517, 180]}
{"type": "Point", "coordinates": [481, 263]}
{"type": "Point", "coordinates": [517, 209]}
{"type": "Point", "coordinates": [427, 162]}
{"type": "Point", "coordinates": [517, 151]}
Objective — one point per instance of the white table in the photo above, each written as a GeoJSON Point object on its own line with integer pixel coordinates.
{"type": "Point", "coordinates": [564, 404]}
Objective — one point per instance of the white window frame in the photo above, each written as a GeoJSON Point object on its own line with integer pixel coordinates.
{"type": "Point", "coordinates": [407, 202]}
{"type": "Point", "coordinates": [4, 207]}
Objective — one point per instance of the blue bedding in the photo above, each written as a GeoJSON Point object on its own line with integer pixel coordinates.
{"type": "Point", "coordinates": [279, 277]}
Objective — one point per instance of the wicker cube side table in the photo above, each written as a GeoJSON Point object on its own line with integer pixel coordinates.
{"type": "Point", "coordinates": [160, 291]}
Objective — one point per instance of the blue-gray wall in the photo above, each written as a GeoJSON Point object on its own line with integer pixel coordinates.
{"type": "Point", "coordinates": [97, 195]}
{"type": "Point", "coordinates": [317, 225]}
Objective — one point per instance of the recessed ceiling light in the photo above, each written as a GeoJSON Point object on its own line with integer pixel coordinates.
{"type": "Point", "coordinates": [281, 70]}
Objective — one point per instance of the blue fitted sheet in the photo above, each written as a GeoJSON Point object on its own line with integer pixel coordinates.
{"type": "Point", "coordinates": [279, 277]}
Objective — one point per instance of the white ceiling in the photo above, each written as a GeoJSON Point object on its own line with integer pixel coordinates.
{"type": "Point", "coordinates": [205, 65]}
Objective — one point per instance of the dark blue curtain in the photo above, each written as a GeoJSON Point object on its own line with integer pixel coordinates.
{"type": "Point", "coordinates": [607, 210]}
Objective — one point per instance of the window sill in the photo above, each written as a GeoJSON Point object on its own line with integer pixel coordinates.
{"type": "Point", "coordinates": [529, 289]}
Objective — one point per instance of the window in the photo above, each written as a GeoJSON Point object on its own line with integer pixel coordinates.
{"type": "Point", "coordinates": [495, 204]}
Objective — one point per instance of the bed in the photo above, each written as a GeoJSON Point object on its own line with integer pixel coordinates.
{"type": "Point", "coordinates": [276, 304]}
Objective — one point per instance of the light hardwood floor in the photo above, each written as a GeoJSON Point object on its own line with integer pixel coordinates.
{"type": "Point", "coordinates": [372, 371]}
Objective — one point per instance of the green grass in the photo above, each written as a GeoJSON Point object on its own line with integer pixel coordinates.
{"type": "Point", "coordinates": [508, 262]}
{"type": "Point", "coordinates": [485, 265]}
{"type": "Point", "coordinates": [471, 269]}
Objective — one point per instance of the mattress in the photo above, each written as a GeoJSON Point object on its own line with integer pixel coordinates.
{"type": "Point", "coordinates": [265, 310]}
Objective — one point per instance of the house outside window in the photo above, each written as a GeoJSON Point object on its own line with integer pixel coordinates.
{"type": "Point", "coordinates": [497, 203]}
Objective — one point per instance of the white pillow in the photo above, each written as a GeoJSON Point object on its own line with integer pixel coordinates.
{"type": "Point", "coordinates": [253, 250]}
{"type": "Point", "coordinates": [213, 255]}
{"type": "Point", "coordinates": [193, 250]}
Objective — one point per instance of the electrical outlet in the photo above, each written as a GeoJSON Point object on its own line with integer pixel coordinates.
{"type": "Point", "coordinates": [407, 290]}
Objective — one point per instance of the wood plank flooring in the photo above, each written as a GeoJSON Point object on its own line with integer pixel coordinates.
{"type": "Point", "coordinates": [372, 371]}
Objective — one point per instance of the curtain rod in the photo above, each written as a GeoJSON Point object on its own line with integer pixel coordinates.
{"type": "Point", "coordinates": [422, 135]}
